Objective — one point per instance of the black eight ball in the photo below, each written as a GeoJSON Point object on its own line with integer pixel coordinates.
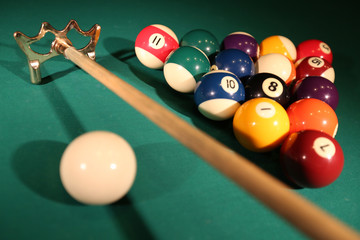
{"type": "Point", "coordinates": [267, 85]}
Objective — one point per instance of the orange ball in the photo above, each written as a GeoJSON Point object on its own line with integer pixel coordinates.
{"type": "Point", "coordinates": [261, 124]}
{"type": "Point", "coordinates": [312, 114]}
{"type": "Point", "coordinates": [278, 44]}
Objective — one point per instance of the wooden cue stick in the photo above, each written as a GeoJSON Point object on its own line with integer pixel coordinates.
{"type": "Point", "coordinates": [300, 212]}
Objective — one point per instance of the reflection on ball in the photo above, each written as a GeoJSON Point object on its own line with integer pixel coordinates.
{"type": "Point", "coordinates": [98, 168]}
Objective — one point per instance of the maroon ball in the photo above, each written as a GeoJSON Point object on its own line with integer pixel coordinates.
{"type": "Point", "coordinates": [314, 66]}
{"type": "Point", "coordinates": [319, 88]}
{"type": "Point", "coordinates": [311, 158]}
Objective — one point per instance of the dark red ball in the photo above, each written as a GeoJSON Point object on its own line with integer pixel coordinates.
{"type": "Point", "coordinates": [311, 159]}
{"type": "Point", "coordinates": [314, 66]}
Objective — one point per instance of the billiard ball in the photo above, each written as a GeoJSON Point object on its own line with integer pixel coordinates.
{"type": "Point", "coordinates": [261, 124]}
{"type": "Point", "coordinates": [244, 42]}
{"type": "Point", "coordinates": [219, 94]}
{"type": "Point", "coordinates": [312, 114]}
{"type": "Point", "coordinates": [314, 48]}
{"type": "Point", "coordinates": [184, 67]}
{"type": "Point", "coordinates": [311, 159]}
{"type": "Point", "coordinates": [235, 61]}
{"type": "Point", "coordinates": [98, 168]}
{"type": "Point", "coordinates": [153, 44]}
{"type": "Point", "coordinates": [278, 44]}
{"type": "Point", "coordinates": [202, 39]}
{"type": "Point", "coordinates": [277, 64]}
{"type": "Point", "coordinates": [314, 66]}
{"type": "Point", "coordinates": [317, 87]}
{"type": "Point", "coordinates": [267, 85]}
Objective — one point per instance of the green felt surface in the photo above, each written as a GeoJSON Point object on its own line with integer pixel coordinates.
{"type": "Point", "coordinates": [176, 195]}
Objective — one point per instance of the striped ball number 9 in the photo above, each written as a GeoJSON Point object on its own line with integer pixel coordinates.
{"type": "Point", "coordinates": [316, 62]}
{"type": "Point", "coordinates": [314, 66]}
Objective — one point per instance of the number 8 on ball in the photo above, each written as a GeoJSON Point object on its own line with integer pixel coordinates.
{"type": "Point", "coordinates": [268, 85]}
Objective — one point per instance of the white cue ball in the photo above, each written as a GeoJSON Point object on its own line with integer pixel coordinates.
{"type": "Point", "coordinates": [98, 168]}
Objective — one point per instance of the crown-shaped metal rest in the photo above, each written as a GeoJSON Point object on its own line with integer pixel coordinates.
{"type": "Point", "coordinates": [57, 47]}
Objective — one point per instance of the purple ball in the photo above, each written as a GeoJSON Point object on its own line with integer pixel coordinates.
{"type": "Point", "coordinates": [319, 88]}
{"type": "Point", "coordinates": [244, 42]}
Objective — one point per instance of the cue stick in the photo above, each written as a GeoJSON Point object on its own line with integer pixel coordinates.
{"type": "Point", "coordinates": [301, 213]}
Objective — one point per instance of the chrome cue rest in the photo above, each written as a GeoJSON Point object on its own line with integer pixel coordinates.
{"type": "Point", "coordinates": [58, 46]}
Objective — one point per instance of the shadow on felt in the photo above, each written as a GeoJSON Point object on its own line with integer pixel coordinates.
{"type": "Point", "coordinates": [36, 164]}
{"type": "Point", "coordinates": [21, 70]}
{"type": "Point", "coordinates": [129, 219]}
{"type": "Point", "coordinates": [153, 168]}
{"type": "Point", "coordinates": [123, 50]}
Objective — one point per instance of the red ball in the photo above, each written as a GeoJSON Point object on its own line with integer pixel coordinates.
{"type": "Point", "coordinates": [154, 44]}
{"type": "Point", "coordinates": [316, 48]}
{"type": "Point", "coordinates": [312, 114]}
{"type": "Point", "coordinates": [314, 66]}
{"type": "Point", "coordinates": [311, 159]}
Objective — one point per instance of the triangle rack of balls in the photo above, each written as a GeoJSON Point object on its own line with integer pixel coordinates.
{"type": "Point", "coordinates": [278, 95]}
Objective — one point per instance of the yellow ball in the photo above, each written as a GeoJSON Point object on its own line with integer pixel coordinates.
{"type": "Point", "coordinates": [261, 124]}
{"type": "Point", "coordinates": [278, 44]}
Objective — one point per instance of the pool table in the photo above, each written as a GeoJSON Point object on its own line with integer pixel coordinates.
{"type": "Point", "coordinates": [176, 195]}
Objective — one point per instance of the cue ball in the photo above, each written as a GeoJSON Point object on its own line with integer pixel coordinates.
{"type": "Point", "coordinates": [154, 44]}
{"type": "Point", "coordinates": [98, 168]}
{"type": "Point", "coordinates": [311, 158]}
{"type": "Point", "coordinates": [261, 124]}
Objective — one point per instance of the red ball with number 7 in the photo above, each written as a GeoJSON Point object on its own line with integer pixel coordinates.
{"type": "Point", "coordinates": [311, 159]}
